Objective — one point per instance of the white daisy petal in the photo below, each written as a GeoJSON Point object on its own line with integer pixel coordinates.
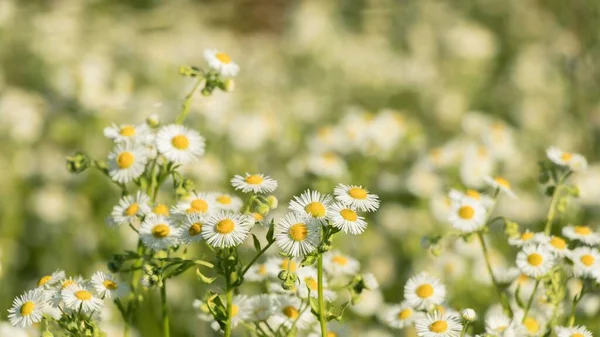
{"type": "Point", "coordinates": [221, 62]}
{"type": "Point", "coordinates": [179, 144]}
{"type": "Point", "coordinates": [356, 197]}
{"type": "Point", "coordinates": [297, 235]}
{"type": "Point", "coordinates": [467, 215]}
{"type": "Point", "coordinates": [159, 232]}
{"type": "Point", "coordinates": [79, 297]}
{"type": "Point", "coordinates": [126, 162]}
{"type": "Point", "coordinates": [312, 204]}
{"type": "Point", "coordinates": [27, 309]}
{"type": "Point", "coordinates": [227, 229]}
{"type": "Point", "coordinates": [535, 260]}
{"type": "Point", "coordinates": [439, 325]}
{"type": "Point", "coordinates": [255, 183]}
{"type": "Point", "coordinates": [424, 292]}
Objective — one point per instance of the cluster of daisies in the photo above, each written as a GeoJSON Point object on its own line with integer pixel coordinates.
{"type": "Point", "coordinates": [59, 297]}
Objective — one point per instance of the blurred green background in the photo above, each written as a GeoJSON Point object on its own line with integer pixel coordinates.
{"type": "Point", "coordinates": [391, 94]}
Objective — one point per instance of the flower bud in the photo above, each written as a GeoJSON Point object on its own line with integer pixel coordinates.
{"type": "Point", "coordinates": [153, 121]}
{"type": "Point", "coordinates": [78, 162]}
{"type": "Point", "coordinates": [272, 201]}
{"type": "Point", "coordinates": [469, 315]}
{"type": "Point", "coordinates": [283, 275]}
{"type": "Point", "coordinates": [263, 209]}
{"type": "Point", "coordinates": [227, 85]}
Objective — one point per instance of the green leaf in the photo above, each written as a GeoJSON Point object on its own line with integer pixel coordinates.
{"type": "Point", "coordinates": [271, 232]}
{"type": "Point", "coordinates": [204, 279]}
{"type": "Point", "coordinates": [256, 243]}
{"type": "Point", "coordinates": [518, 297]}
{"type": "Point", "coordinates": [314, 306]}
{"type": "Point", "coordinates": [309, 260]}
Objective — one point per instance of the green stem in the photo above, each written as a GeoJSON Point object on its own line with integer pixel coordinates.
{"type": "Point", "coordinates": [501, 295]}
{"type": "Point", "coordinates": [576, 300]}
{"type": "Point", "coordinates": [552, 210]}
{"type": "Point", "coordinates": [185, 109]}
{"type": "Point", "coordinates": [464, 329]}
{"type": "Point", "coordinates": [165, 308]}
{"type": "Point", "coordinates": [321, 297]}
{"type": "Point", "coordinates": [229, 297]}
{"type": "Point", "coordinates": [259, 254]}
{"type": "Point", "coordinates": [535, 287]}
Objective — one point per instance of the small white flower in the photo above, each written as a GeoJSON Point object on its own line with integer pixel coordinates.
{"type": "Point", "coordinates": [255, 183]}
{"type": "Point", "coordinates": [469, 315]}
{"type": "Point", "coordinates": [297, 235]}
{"type": "Point", "coordinates": [467, 215]}
{"type": "Point", "coordinates": [528, 238]}
{"type": "Point", "coordinates": [309, 285]}
{"type": "Point", "coordinates": [226, 201]}
{"type": "Point", "coordinates": [557, 245]}
{"type": "Point", "coordinates": [423, 291]}
{"type": "Point", "coordinates": [586, 260]}
{"type": "Point", "coordinates": [496, 322]}
{"type": "Point", "coordinates": [401, 315]}
{"type": "Point", "coordinates": [221, 62]}
{"type": "Point", "coordinates": [356, 197]}
{"type": "Point", "coordinates": [160, 210]}
{"type": "Point", "coordinates": [126, 162]}
{"type": "Point", "coordinates": [501, 184]}
{"type": "Point", "coordinates": [287, 310]}
{"type": "Point", "coordinates": [27, 309]}
{"type": "Point", "coordinates": [346, 218]}
{"type": "Point", "coordinates": [158, 233]}
{"type": "Point", "coordinates": [179, 144]}
{"type": "Point", "coordinates": [439, 325]}
{"type": "Point", "coordinates": [191, 229]}
{"type": "Point", "coordinates": [311, 203]}
{"type": "Point", "coordinates": [200, 203]}
{"type": "Point", "coordinates": [107, 286]}
{"type": "Point", "coordinates": [336, 263]}
{"type": "Point", "coordinates": [485, 200]}
{"type": "Point", "coordinates": [535, 260]}
{"type": "Point", "coordinates": [130, 209]}
{"type": "Point", "coordinates": [129, 133]}
{"type": "Point", "coordinates": [49, 280]}
{"type": "Point", "coordinates": [257, 272]}
{"type": "Point", "coordinates": [583, 234]}
{"type": "Point", "coordinates": [226, 229]}
{"type": "Point", "coordinates": [78, 297]}
{"type": "Point", "coordinates": [241, 309]}
{"type": "Point", "coordinates": [576, 331]}
{"type": "Point", "coordinates": [574, 161]}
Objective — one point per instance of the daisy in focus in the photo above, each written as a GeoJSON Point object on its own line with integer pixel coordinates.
{"type": "Point", "coordinates": [255, 183]}
{"type": "Point", "coordinates": [107, 286]}
{"type": "Point", "coordinates": [226, 229]}
{"type": "Point", "coordinates": [467, 215]}
{"type": "Point", "coordinates": [158, 232]}
{"type": "Point", "coordinates": [535, 260]}
{"type": "Point", "coordinates": [221, 62]}
{"type": "Point", "coordinates": [79, 297]}
{"type": "Point", "coordinates": [191, 228]}
{"type": "Point", "coordinates": [311, 203]}
{"type": "Point", "coordinates": [423, 291]}
{"type": "Point", "coordinates": [346, 219]}
{"type": "Point", "coordinates": [356, 197]}
{"type": "Point", "coordinates": [130, 209]}
{"type": "Point", "coordinates": [297, 235]}
{"type": "Point", "coordinates": [126, 162]}
{"type": "Point", "coordinates": [200, 203]}
{"type": "Point", "coordinates": [50, 280]}
{"type": "Point", "coordinates": [27, 309]}
{"type": "Point", "coordinates": [439, 325]}
{"type": "Point", "coordinates": [179, 144]}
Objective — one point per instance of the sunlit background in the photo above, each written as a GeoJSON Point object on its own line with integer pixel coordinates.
{"type": "Point", "coordinates": [406, 97]}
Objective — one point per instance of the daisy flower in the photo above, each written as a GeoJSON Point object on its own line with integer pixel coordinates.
{"type": "Point", "coordinates": [255, 183]}
{"type": "Point", "coordinates": [179, 144]}
{"type": "Point", "coordinates": [158, 232]}
{"type": "Point", "coordinates": [297, 235]}
{"type": "Point", "coordinates": [276, 264]}
{"type": "Point", "coordinates": [257, 272]}
{"type": "Point", "coordinates": [457, 195]}
{"type": "Point", "coordinates": [535, 260]}
{"type": "Point", "coordinates": [200, 203]}
{"type": "Point", "coordinates": [500, 184]}
{"type": "Point", "coordinates": [583, 234]}
{"type": "Point", "coordinates": [585, 261]}
{"type": "Point", "coordinates": [128, 132]}
{"type": "Point", "coordinates": [226, 229]}
{"type": "Point", "coordinates": [557, 245]}
{"type": "Point", "coordinates": [221, 62]}
{"type": "Point", "coordinates": [356, 197]}
{"type": "Point", "coordinates": [226, 202]}
{"type": "Point", "coordinates": [50, 280]}
{"type": "Point", "coordinates": [335, 263]}
{"type": "Point", "coordinates": [126, 162]}
{"type": "Point", "coordinates": [262, 307]}
{"type": "Point", "coordinates": [54, 293]}
{"type": "Point", "coordinates": [130, 209]}
{"type": "Point", "coordinates": [576, 331]}
{"type": "Point", "coordinates": [106, 286]}
{"type": "Point", "coordinates": [528, 238]}
{"type": "Point", "coordinates": [496, 321]}
{"type": "Point", "coordinates": [161, 210]}
{"type": "Point", "coordinates": [311, 203]}
{"type": "Point", "coordinates": [346, 218]}
{"type": "Point", "coordinates": [191, 229]}
{"type": "Point", "coordinates": [401, 315]}
{"type": "Point", "coordinates": [467, 215]}
{"type": "Point", "coordinates": [309, 285]}
{"type": "Point", "coordinates": [27, 309]}
{"type": "Point", "coordinates": [287, 310]}
{"type": "Point", "coordinates": [423, 291]}
{"type": "Point", "coordinates": [79, 297]}
{"type": "Point", "coordinates": [439, 325]}
{"type": "Point", "coordinates": [240, 309]}
{"type": "Point", "coordinates": [574, 161]}
{"type": "Point", "coordinates": [531, 325]}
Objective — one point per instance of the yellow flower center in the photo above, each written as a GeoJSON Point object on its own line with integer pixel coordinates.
{"type": "Point", "coordinates": [225, 226]}
{"type": "Point", "coordinates": [348, 214]}
{"type": "Point", "coordinates": [258, 217]}
{"type": "Point", "coordinates": [315, 209]}
{"type": "Point", "coordinates": [125, 159]}
{"type": "Point", "coordinates": [531, 324]}
{"type": "Point", "coordinates": [502, 182]}
{"type": "Point", "coordinates": [341, 260]}
{"type": "Point", "coordinates": [358, 193]}
{"type": "Point", "coordinates": [331, 334]}
{"type": "Point", "coordinates": [44, 280]}
{"type": "Point", "coordinates": [223, 57]}
{"type": "Point", "coordinates": [425, 291]}
{"type": "Point", "coordinates": [195, 229]}
{"type": "Point", "coordinates": [311, 283]}
{"type": "Point", "coordinates": [161, 209]}
{"type": "Point", "coordinates": [234, 310]}
{"type": "Point", "coordinates": [67, 283]}
{"type": "Point", "coordinates": [262, 269]}
{"type": "Point", "coordinates": [466, 212]}
{"type": "Point", "coordinates": [298, 232]}
{"type": "Point", "coordinates": [473, 194]}
{"type": "Point", "coordinates": [127, 131]}
{"type": "Point", "coordinates": [527, 236]}
{"type": "Point", "coordinates": [254, 179]}
{"type": "Point", "coordinates": [132, 210]}
{"type": "Point", "coordinates": [27, 308]}
{"type": "Point", "coordinates": [161, 231]}
{"type": "Point", "coordinates": [224, 199]}
{"type": "Point", "coordinates": [291, 312]}
{"type": "Point", "coordinates": [180, 142]}
{"type": "Point", "coordinates": [587, 260]}
{"type": "Point", "coordinates": [199, 205]}
{"type": "Point", "coordinates": [108, 284]}
{"type": "Point", "coordinates": [406, 313]}
{"type": "Point", "coordinates": [566, 156]}
{"type": "Point", "coordinates": [558, 243]}
{"type": "Point", "coordinates": [83, 295]}
{"type": "Point", "coordinates": [438, 326]}
{"type": "Point", "coordinates": [577, 334]}
{"type": "Point", "coordinates": [583, 230]}
{"type": "Point", "coordinates": [289, 265]}
{"type": "Point", "coordinates": [440, 309]}
{"type": "Point", "coordinates": [535, 259]}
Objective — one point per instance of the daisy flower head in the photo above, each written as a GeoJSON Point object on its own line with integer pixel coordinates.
{"type": "Point", "coordinates": [574, 161]}
{"type": "Point", "coordinates": [257, 272]}
{"type": "Point", "coordinates": [500, 184]}
{"type": "Point", "coordinates": [586, 261]}
{"type": "Point", "coordinates": [50, 280]}
{"type": "Point", "coordinates": [311, 203]}
{"type": "Point", "coordinates": [346, 218]}
{"type": "Point", "coordinates": [287, 311]}
{"type": "Point", "coordinates": [126, 162]}
{"type": "Point", "coordinates": [584, 234]}
{"type": "Point", "coordinates": [129, 133]}
{"type": "Point", "coordinates": [179, 144]}
{"type": "Point", "coordinates": [297, 235]}
{"type": "Point", "coordinates": [226, 202]}
{"type": "Point", "coordinates": [401, 315]}
{"type": "Point", "coordinates": [200, 203]}
{"type": "Point", "coordinates": [475, 195]}
{"type": "Point", "coordinates": [557, 245]}
{"type": "Point", "coordinates": [423, 291]}
{"type": "Point", "coordinates": [226, 229]}
{"type": "Point", "coordinates": [528, 238]}
{"type": "Point", "coordinates": [158, 232]}
{"type": "Point", "coordinates": [255, 183]}
{"type": "Point", "coordinates": [130, 209]}
{"type": "Point", "coordinates": [27, 309]}
{"type": "Point", "coordinates": [576, 331]}
{"type": "Point", "coordinates": [532, 325]}
{"type": "Point", "coordinates": [80, 297]}
{"type": "Point", "coordinates": [467, 215]}
{"type": "Point", "coordinates": [241, 309]}
{"type": "Point", "coordinates": [496, 321]}
{"type": "Point", "coordinates": [336, 263]}
{"type": "Point", "coordinates": [191, 228]}
{"type": "Point", "coordinates": [439, 325]}
{"type": "Point", "coordinates": [535, 260]}
{"type": "Point", "coordinates": [107, 286]}
{"type": "Point", "coordinates": [160, 210]}
{"type": "Point", "coordinates": [356, 197]}
{"type": "Point", "coordinates": [309, 286]}
{"type": "Point", "coordinates": [221, 62]}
